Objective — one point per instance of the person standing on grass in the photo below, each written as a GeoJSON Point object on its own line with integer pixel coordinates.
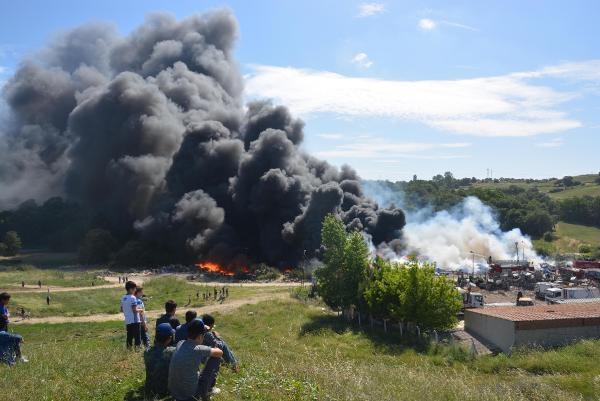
{"type": "Point", "coordinates": [132, 316]}
{"type": "Point", "coordinates": [185, 381]}
{"type": "Point", "coordinates": [169, 316]}
{"type": "Point", "coordinates": [4, 313]}
{"type": "Point", "coordinates": [157, 359]}
{"type": "Point", "coordinates": [139, 294]}
{"type": "Point", "coordinates": [40, 283]}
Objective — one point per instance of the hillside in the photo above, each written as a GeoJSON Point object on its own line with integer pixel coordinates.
{"type": "Point", "coordinates": [588, 186]}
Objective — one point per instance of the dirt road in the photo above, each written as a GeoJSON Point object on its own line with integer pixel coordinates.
{"type": "Point", "coordinates": [226, 307]}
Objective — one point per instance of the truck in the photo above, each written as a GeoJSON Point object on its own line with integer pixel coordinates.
{"type": "Point", "coordinates": [471, 299]}
{"type": "Point", "coordinates": [540, 289]}
{"type": "Point", "coordinates": [556, 295]}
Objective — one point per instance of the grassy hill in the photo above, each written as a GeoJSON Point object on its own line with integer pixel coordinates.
{"type": "Point", "coordinates": [588, 186]}
{"type": "Point", "coordinates": [290, 350]}
{"type": "Point", "coordinates": [569, 237]}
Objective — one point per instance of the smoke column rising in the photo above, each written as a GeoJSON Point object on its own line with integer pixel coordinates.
{"type": "Point", "coordinates": [448, 237]}
{"type": "Point", "coordinates": [149, 133]}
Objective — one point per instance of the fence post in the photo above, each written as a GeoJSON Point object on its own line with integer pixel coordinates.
{"type": "Point", "coordinates": [418, 332]}
{"type": "Point", "coordinates": [359, 323]}
{"type": "Point", "coordinates": [400, 324]}
{"type": "Point", "coordinates": [385, 325]}
{"type": "Point", "coordinates": [435, 334]}
{"type": "Point", "coordinates": [371, 318]}
{"type": "Point", "coordinates": [473, 347]}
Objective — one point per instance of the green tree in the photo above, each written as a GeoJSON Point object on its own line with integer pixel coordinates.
{"type": "Point", "coordinates": [412, 293]}
{"type": "Point", "coordinates": [97, 246]}
{"type": "Point", "coordinates": [346, 260]}
{"type": "Point", "coordinates": [12, 243]}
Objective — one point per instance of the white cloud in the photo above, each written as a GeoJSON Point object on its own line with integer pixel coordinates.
{"type": "Point", "coordinates": [370, 9]}
{"type": "Point", "coordinates": [362, 60]}
{"type": "Point", "coordinates": [553, 143]}
{"type": "Point", "coordinates": [384, 149]}
{"type": "Point", "coordinates": [427, 24]}
{"type": "Point", "coordinates": [507, 105]}
{"type": "Point", "coordinates": [330, 136]}
{"type": "Point", "coordinates": [2, 69]}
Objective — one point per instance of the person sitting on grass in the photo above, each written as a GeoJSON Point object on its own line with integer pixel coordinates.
{"type": "Point", "coordinates": [139, 294]}
{"type": "Point", "coordinates": [157, 359]}
{"type": "Point", "coordinates": [131, 313]}
{"type": "Point", "coordinates": [213, 339]}
{"type": "Point", "coordinates": [169, 316]}
{"type": "Point", "coordinates": [182, 330]}
{"type": "Point", "coordinates": [10, 345]}
{"type": "Point", "coordinates": [4, 313]}
{"type": "Point", "coordinates": [185, 381]}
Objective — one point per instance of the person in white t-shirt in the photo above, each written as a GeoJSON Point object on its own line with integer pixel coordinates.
{"type": "Point", "coordinates": [130, 309]}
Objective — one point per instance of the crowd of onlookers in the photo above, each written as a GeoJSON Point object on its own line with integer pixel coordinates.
{"type": "Point", "coordinates": [185, 358]}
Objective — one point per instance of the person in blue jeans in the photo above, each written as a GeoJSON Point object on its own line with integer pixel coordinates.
{"type": "Point", "coordinates": [4, 313]}
{"type": "Point", "coordinates": [10, 345]}
{"type": "Point", "coordinates": [139, 294]}
{"type": "Point", "coordinates": [186, 382]}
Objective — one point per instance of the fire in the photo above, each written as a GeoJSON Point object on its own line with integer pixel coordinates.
{"type": "Point", "coordinates": [214, 268]}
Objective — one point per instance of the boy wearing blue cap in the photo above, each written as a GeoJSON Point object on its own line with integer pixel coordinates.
{"type": "Point", "coordinates": [157, 359]}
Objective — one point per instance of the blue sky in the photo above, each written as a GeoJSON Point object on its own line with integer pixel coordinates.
{"type": "Point", "coordinates": [397, 88]}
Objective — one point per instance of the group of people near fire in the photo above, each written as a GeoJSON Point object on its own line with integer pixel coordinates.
{"type": "Point", "coordinates": [185, 358]}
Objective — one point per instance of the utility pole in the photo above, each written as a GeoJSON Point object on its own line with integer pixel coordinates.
{"type": "Point", "coordinates": [517, 246]}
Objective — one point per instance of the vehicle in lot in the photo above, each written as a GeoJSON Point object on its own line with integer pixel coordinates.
{"type": "Point", "coordinates": [555, 295]}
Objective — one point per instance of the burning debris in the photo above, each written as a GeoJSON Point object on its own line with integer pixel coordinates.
{"type": "Point", "coordinates": [150, 135]}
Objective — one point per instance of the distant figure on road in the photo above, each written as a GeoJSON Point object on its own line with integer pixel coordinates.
{"type": "Point", "coordinates": [48, 299]}
{"type": "Point", "coordinates": [22, 284]}
{"type": "Point", "coordinates": [40, 283]}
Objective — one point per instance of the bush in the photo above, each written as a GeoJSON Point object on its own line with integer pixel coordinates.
{"type": "Point", "coordinates": [549, 236]}
{"type": "Point", "coordinates": [12, 243]}
{"type": "Point", "coordinates": [585, 248]}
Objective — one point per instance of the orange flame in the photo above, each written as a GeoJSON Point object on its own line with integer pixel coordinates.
{"type": "Point", "coordinates": [213, 267]}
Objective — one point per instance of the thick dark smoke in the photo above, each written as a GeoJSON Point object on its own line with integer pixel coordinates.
{"type": "Point", "coordinates": [151, 133]}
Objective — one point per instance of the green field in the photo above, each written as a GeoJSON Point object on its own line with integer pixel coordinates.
{"type": "Point", "coordinates": [106, 300]}
{"type": "Point", "coordinates": [12, 276]}
{"type": "Point", "coordinates": [569, 237]}
{"type": "Point", "coordinates": [293, 351]}
{"type": "Point", "coordinates": [41, 259]}
{"type": "Point", "coordinates": [588, 187]}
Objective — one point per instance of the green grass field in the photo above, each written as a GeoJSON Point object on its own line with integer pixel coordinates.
{"type": "Point", "coordinates": [588, 187]}
{"type": "Point", "coordinates": [106, 300]}
{"type": "Point", "coordinates": [41, 259]}
{"type": "Point", "coordinates": [293, 351]}
{"type": "Point", "coordinates": [11, 277]}
{"type": "Point", "coordinates": [569, 237]}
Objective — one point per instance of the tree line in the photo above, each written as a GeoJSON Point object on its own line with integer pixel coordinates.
{"type": "Point", "coordinates": [532, 211]}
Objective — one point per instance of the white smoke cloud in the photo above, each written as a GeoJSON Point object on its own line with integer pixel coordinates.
{"type": "Point", "coordinates": [450, 238]}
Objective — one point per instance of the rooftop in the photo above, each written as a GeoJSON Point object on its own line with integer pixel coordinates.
{"type": "Point", "coordinates": [545, 316]}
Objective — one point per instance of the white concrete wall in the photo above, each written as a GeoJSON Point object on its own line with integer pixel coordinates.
{"type": "Point", "coordinates": [555, 336]}
{"type": "Point", "coordinates": [493, 330]}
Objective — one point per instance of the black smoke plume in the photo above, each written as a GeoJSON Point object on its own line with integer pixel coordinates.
{"type": "Point", "coordinates": [150, 132]}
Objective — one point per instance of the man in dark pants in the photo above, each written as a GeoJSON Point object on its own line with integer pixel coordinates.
{"type": "Point", "coordinates": [186, 383]}
{"type": "Point", "coordinates": [129, 307]}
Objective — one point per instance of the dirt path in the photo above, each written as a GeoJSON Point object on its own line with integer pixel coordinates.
{"type": "Point", "coordinates": [226, 307]}
{"type": "Point", "coordinates": [140, 280]}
